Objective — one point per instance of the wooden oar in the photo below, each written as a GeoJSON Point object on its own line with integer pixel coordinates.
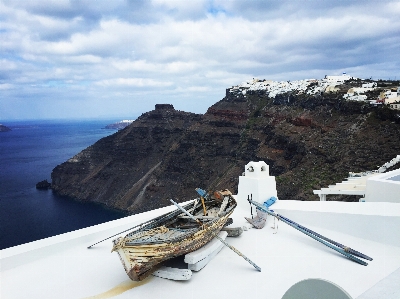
{"type": "Point", "coordinates": [223, 242]}
{"type": "Point", "coordinates": [307, 232]}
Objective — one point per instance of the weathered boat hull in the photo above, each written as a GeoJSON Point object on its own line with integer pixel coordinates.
{"type": "Point", "coordinates": [140, 261]}
{"type": "Point", "coordinates": [142, 252]}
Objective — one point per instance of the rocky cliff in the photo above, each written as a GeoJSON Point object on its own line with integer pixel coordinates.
{"type": "Point", "coordinates": [308, 141]}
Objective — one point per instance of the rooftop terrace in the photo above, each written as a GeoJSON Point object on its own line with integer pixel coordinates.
{"type": "Point", "coordinates": [63, 267]}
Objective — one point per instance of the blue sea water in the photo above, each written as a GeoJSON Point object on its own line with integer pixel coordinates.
{"type": "Point", "coordinates": [28, 153]}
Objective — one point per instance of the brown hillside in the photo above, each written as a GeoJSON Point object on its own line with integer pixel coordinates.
{"type": "Point", "coordinates": [309, 142]}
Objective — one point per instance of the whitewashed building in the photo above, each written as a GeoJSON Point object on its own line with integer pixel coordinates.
{"type": "Point", "coordinates": [355, 97]}
{"type": "Point", "coordinates": [336, 80]}
{"type": "Point", "coordinates": [389, 96]}
{"type": "Point", "coordinates": [369, 86]}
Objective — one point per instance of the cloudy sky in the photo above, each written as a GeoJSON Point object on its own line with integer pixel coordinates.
{"type": "Point", "coordinates": [117, 59]}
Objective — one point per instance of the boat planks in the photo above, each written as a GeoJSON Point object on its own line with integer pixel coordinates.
{"type": "Point", "coordinates": [143, 252]}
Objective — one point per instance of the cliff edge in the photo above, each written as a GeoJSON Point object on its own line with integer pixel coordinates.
{"type": "Point", "coordinates": [308, 141]}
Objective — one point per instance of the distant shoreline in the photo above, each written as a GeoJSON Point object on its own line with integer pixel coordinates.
{"type": "Point", "coordinates": [4, 128]}
{"type": "Point", "coordinates": [119, 125]}
{"type": "Point", "coordinates": [29, 153]}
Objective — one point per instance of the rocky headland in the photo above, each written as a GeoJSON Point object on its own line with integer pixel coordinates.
{"type": "Point", "coordinates": [4, 128]}
{"type": "Point", "coordinates": [309, 140]}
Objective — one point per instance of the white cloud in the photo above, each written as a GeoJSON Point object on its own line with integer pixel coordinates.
{"type": "Point", "coordinates": [137, 82]}
{"type": "Point", "coordinates": [82, 59]}
{"type": "Point", "coordinates": [181, 51]}
{"type": "Point", "coordinates": [6, 86]}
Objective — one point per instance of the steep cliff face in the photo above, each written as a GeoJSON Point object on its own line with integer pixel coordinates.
{"type": "Point", "coordinates": [118, 169]}
{"type": "Point", "coordinates": [309, 142]}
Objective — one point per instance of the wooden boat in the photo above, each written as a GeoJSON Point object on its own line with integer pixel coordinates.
{"type": "Point", "coordinates": [173, 234]}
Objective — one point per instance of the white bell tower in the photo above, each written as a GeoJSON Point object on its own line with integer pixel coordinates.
{"type": "Point", "coordinates": [256, 181]}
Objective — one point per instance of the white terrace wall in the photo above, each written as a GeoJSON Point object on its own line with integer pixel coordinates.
{"type": "Point", "coordinates": [381, 188]}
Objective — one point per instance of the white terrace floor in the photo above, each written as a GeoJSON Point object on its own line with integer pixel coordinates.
{"type": "Point", "coordinates": [62, 266]}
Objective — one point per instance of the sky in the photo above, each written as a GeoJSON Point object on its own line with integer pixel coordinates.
{"type": "Point", "coordinates": [86, 59]}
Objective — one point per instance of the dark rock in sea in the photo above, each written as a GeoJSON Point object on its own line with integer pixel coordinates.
{"type": "Point", "coordinates": [43, 185]}
{"type": "Point", "coordinates": [3, 128]}
{"type": "Point", "coordinates": [308, 142]}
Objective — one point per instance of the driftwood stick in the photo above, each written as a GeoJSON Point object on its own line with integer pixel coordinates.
{"type": "Point", "coordinates": [132, 228]}
{"type": "Point", "coordinates": [204, 206]}
{"type": "Point", "coordinates": [223, 242]}
{"type": "Point", "coordinates": [142, 225]}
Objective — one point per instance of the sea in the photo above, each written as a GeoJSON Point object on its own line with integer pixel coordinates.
{"type": "Point", "coordinates": [28, 154]}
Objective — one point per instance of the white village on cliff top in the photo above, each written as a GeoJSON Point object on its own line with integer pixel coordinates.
{"type": "Point", "coordinates": [387, 96]}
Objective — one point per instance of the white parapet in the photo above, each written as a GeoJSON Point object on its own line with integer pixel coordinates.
{"type": "Point", "coordinates": [255, 182]}
{"type": "Point", "coordinates": [384, 187]}
{"type": "Point", "coordinates": [373, 186]}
